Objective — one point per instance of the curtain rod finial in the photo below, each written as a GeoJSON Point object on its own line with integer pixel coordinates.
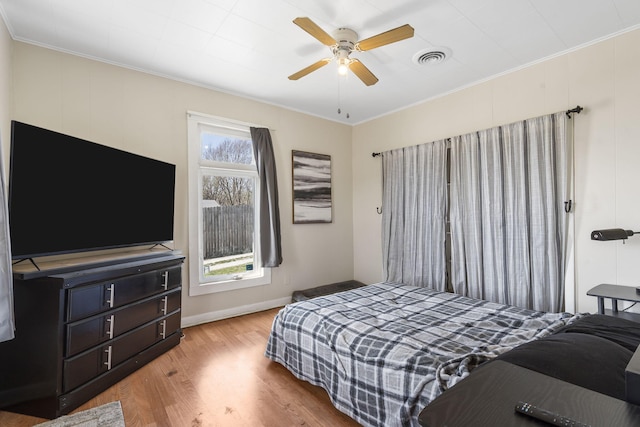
{"type": "Point", "coordinates": [577, 110]}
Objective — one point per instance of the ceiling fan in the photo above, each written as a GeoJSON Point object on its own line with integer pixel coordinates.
{"type": "Point", "coordinates": [343, 42]}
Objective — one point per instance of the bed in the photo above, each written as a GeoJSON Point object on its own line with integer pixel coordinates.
{"type": "Point", "coordinates": [593, 352]}
{"type": "Point", "coordinates": [588, 370]}
{"type": "Point", "coordinates": [384, 351]}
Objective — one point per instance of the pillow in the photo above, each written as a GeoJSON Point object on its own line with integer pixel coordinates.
{"type": "Point", "coordinates": [585, 360]}
{"type": "Point", "coordinates": [620, 331]}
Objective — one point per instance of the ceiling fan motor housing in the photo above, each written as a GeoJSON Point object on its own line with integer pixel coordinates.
{"type": "Point", "coordinates": [346, 41]}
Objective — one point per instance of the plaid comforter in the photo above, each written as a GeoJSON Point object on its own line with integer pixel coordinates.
{"type": "Point", "coordinates": [384, 351]}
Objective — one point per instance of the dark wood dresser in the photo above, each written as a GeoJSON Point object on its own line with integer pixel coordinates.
{"type": "Point", "coordinates": [82, 328]}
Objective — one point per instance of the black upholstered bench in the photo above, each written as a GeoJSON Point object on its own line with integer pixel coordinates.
{"type": "Point", "coordinates": [325, 290]}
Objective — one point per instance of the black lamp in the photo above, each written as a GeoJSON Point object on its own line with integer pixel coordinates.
{"type": "Point", "coordinates": [612, 234]}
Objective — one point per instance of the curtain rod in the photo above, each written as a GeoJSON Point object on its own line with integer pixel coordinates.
{"type": "Point", "coordinates": [578, 109]}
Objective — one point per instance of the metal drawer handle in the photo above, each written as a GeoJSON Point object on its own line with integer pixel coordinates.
{"type": "Point", "coordinates": [111, 289]}
{"type": "Point", "coordinates": [110, 320]}
{"type": "Point", "coordinates": [165, 301]}
{"type": "Point", "coordinates": [108, 362]}
{"type": "Point", "coordinates": [165, 280]}
{"type": "Point", "coordinates": [163, 333]}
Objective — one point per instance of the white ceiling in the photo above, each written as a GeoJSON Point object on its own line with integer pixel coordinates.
{"type": "Point", "coordinates": [249, 47]}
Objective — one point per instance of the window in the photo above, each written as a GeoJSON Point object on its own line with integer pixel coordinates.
{"type": "Point", "coordinates": [223, 194]}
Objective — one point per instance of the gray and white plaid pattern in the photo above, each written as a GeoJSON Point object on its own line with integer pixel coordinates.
{"type": "Point", "coordinates": [384, 351]}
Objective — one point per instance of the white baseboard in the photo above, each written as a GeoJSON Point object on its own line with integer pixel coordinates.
{"type": "Point", "coordinates": [233, 312]}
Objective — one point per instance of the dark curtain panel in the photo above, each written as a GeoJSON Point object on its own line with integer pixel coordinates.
{"type": "Point", "coordinates": [270, 240]}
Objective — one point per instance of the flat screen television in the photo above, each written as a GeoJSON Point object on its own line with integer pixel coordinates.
{"type": "Point", "coordinates": [69, 195]}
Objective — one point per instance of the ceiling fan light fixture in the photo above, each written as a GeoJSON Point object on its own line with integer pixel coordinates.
{"type": "Point", "coordinates": [343, 60]}
{"type": "Point", "coordinates": [343, 66]}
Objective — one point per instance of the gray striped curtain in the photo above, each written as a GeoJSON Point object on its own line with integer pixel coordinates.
{"type": "Point", "coordinates": [510, 233]}
{"type": "Point", "coordinates": [6, 281]}
{"type": "Point", "coordinates": [413, 217]}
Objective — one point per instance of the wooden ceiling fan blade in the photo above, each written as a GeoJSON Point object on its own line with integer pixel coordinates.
{"type": "Point", "coordinates": [363, 72]}
{"type": "Point", "coordinates": [311, 68]}
{"type": "Point", "coordinates": [312, 28]}
{"type": "Point", "coordinates": [388, 37]}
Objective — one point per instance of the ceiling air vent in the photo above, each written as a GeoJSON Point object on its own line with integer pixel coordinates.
{"type": "Point", "coordinates": [431, 56]}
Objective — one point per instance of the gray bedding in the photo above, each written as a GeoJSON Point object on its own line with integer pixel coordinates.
{"type": "Point", "coordinates": [384, 351]}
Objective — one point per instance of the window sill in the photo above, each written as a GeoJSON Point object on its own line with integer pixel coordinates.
{"type": "Point", "coordinates": [230, 285]}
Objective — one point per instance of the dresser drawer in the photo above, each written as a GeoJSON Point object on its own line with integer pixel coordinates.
{"type": "Point", "coordinates": [87, 333]}
{"type": "Point", "coordinates": [81, 368]}
{"type": "Point", "coordinates": [93, 299]}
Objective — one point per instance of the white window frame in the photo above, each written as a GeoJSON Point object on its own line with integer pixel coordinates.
{"type": "Point", "coordinates": [198, 283]}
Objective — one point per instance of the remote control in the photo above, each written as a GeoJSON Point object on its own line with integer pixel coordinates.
{"type": "Point", "coordinates": [547, 416]}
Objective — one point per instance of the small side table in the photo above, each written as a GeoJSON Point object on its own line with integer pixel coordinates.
{"type": "Point", "coordinates": [615, 293]}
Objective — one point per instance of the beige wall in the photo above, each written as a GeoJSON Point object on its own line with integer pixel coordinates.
{"type": "Point", "coordinates": [146, 115]}
{"type": "Point", "coordinates": [603, 78]}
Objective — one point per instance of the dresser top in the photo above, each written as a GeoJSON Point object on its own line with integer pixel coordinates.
{"type": "Point", "coordinates": [28, 271]}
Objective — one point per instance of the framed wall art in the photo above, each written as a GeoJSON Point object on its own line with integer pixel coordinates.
{"type": "Point", "coordinates": [311, 187]}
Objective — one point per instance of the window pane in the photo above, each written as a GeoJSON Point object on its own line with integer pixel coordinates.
{"type": "Point", "coordinates": [227, 226]}
{"type": "Point", "coordinates": [226, 148]}
{"type": "Point", "coordinates": [224, 177]}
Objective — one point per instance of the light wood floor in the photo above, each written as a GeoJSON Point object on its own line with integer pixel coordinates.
{"type": "Point", "coordinates": [217, 376]}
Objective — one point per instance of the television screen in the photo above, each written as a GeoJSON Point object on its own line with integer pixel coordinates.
{"type": "Point", "coordinates": [70, 195]}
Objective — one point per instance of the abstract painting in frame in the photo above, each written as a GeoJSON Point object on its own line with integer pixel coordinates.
{"type": "Point", "coordinates": [311, 187]}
